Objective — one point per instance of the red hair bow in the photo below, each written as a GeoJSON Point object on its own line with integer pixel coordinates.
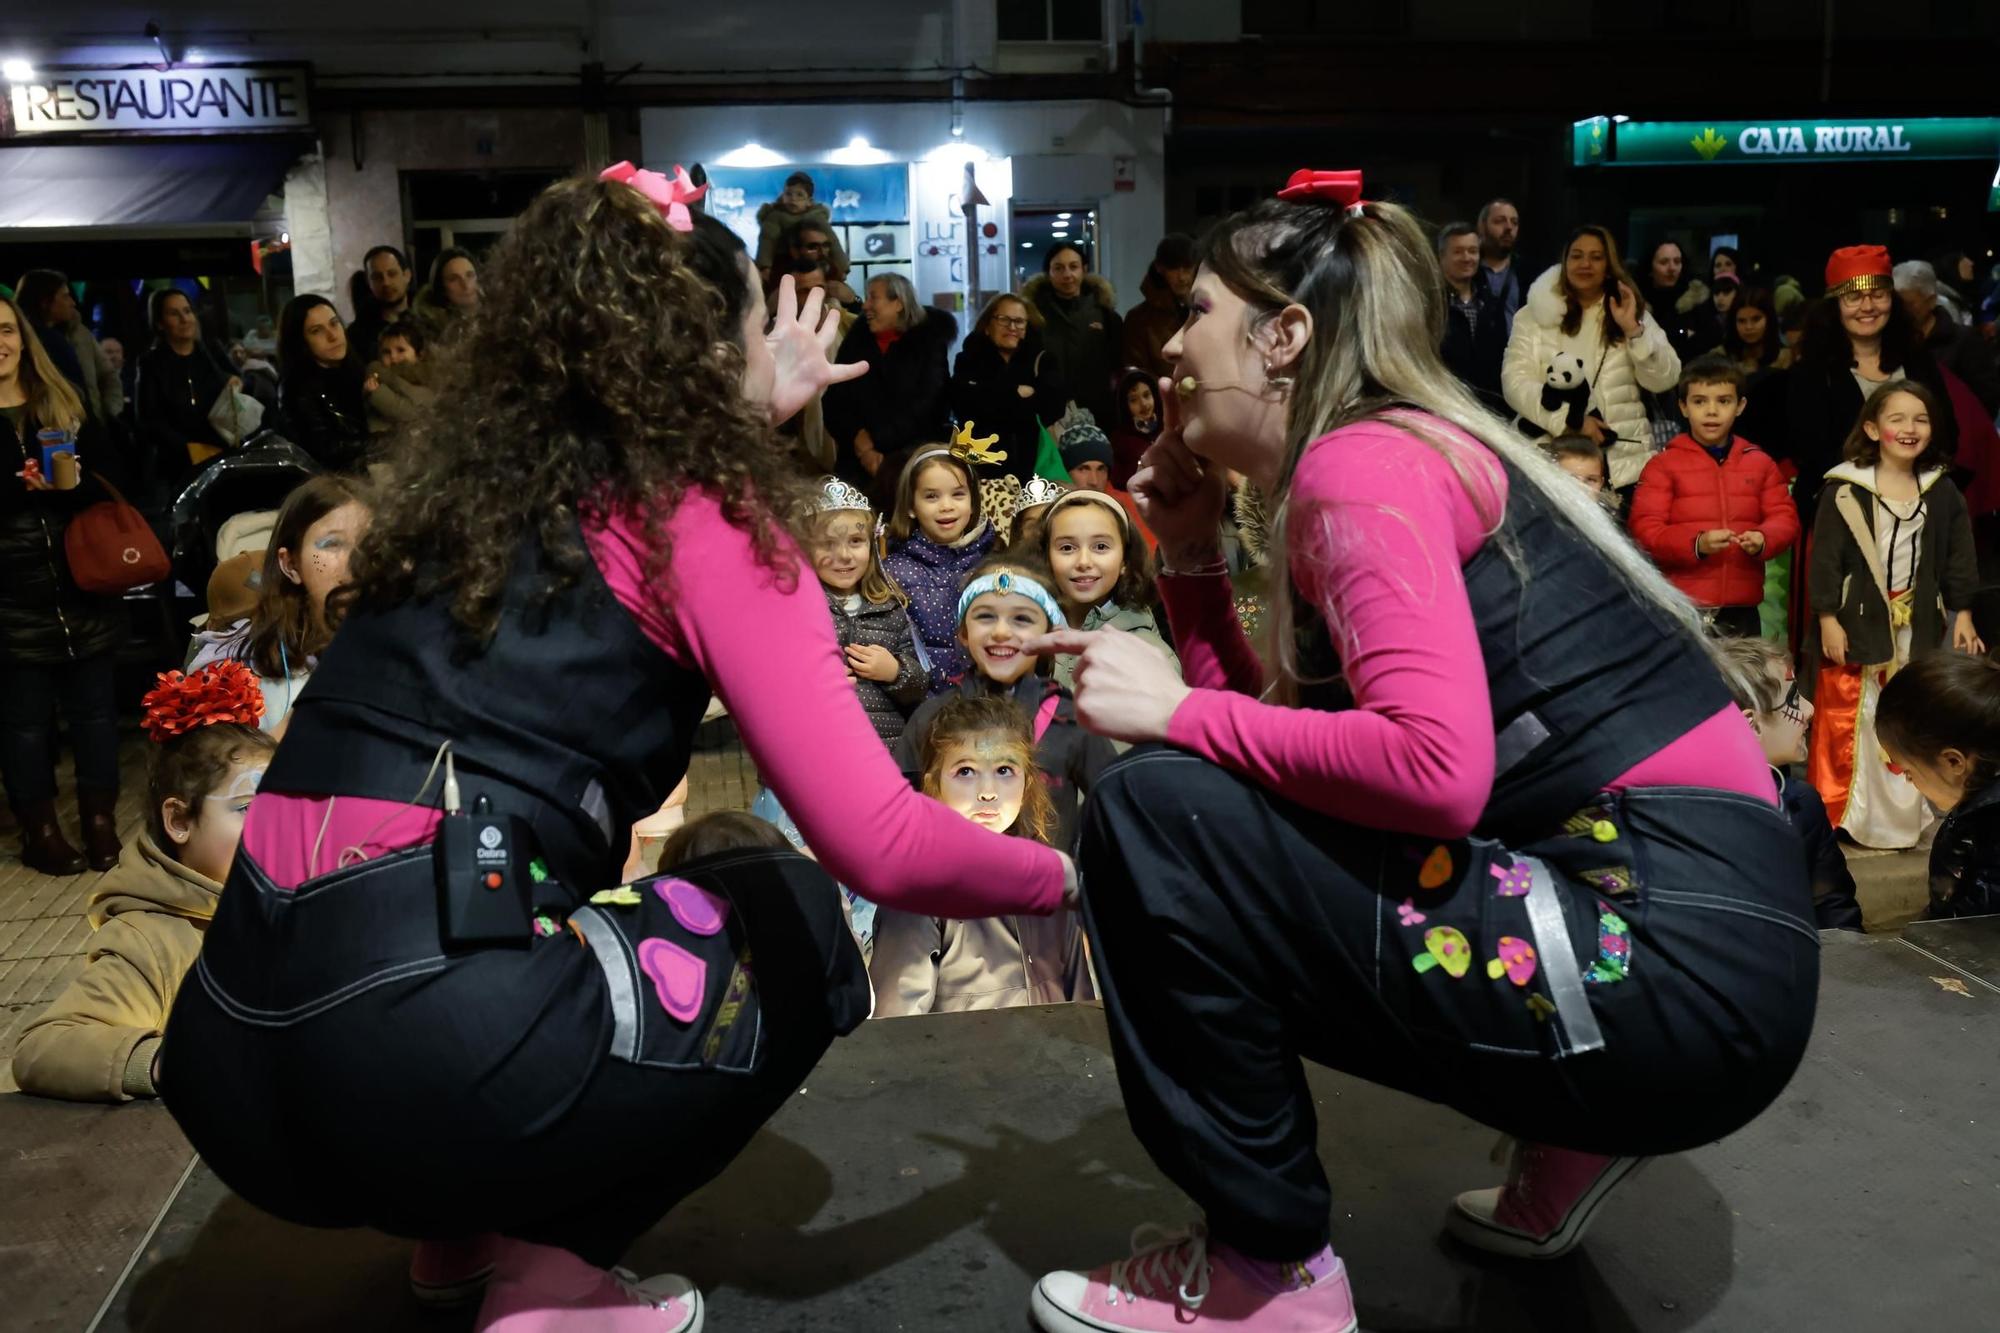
{"type": "Point", "coordinates": [225, 691]}
{"type": "Point", "coordinates": [1332, 187]}
{"type": "Point", "coordinates": [670, 194]}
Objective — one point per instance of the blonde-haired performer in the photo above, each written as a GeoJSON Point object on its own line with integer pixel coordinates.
{"type": "Point", "coordinates": [1493, 831]}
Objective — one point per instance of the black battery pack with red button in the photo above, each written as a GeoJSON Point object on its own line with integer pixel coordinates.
{"type": "Point", "coordinates": [481, 858]}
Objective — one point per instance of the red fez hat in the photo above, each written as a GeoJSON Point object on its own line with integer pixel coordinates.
{"type": "Point", "coordinates": [1857, 268]}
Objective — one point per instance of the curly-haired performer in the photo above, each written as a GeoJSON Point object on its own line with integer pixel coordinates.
{"type": "Point", "coordinates": [421, 1021]}
{"type": "Point", "coordinates": [1496, 834]}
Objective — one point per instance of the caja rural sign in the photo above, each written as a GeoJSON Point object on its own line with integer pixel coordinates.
{"type": "Point", "coordinates": [193, 99]}
{"type": "Point", "coordinates": [1602, 141]}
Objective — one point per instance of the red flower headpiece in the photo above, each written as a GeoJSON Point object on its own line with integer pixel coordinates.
{"type": "Point", "coordinates": [225, 691]}
{"type": "Point", "coordinates": [670, 194]}
{"type": "Point", "coordinates": [1330, 187]}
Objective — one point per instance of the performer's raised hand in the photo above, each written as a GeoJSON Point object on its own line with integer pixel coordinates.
{"type": "Point", "coordinates": [1179, 495]}
{"type": "Point", "coordinates": [801, 340]}
{"type": "Point", "coordinates": [1125, 688]}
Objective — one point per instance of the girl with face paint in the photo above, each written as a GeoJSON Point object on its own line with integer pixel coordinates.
{"type": "Point", "coordinates": [100, 1039]}
{"type": "Point", "coordinates": [979, 759]}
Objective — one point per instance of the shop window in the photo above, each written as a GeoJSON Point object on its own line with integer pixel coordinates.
{"type": "Point", "coordinates": [1050, 21]}
{"type": "Point", "coordinates": [1325, 18]}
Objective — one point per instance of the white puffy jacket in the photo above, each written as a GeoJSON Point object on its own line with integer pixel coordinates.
{"type": "Point", "coordinates": [1617, 373]}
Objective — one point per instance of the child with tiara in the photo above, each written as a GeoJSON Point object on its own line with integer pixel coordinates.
{"type": "Point", "coordinates": [1006, 603]}
{"type": "Point", "coordinates": [978, 758]}
{"type": "Point", "coordinates": [100, 1039]}
{"type": "Point", "coordinates": [1104, 574]}
{"type": "Point", "coordinates": [877, 645]}
{"type": "Point", "coordinates": [1038, 493]}
{"type": "Point", "coordinates": [936, 536]}
{"type": "Point", "coordinates": [1891, 551]}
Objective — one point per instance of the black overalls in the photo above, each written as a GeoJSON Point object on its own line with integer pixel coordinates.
{"type": "Point", "coordinates": [337, 1065]}
{"type": "Point", "coordinates": [1627, 974]}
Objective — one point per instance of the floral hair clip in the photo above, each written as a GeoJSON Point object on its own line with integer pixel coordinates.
{"type": "Point", "coordinates": [224, 691]}
{"type": "Point", "coordinates": [1329, 187]}
{"type": "Point", "coordinates": [670, 194]}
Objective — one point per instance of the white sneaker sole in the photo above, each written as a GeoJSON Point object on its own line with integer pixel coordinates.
{"type": "Point", "coordinates": [1053, 1318]}
{"type": "Point", "coordinates": [1483, 1234]}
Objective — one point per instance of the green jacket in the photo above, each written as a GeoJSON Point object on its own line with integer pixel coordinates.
{"type": "Point", "coordinates": [1108, 615]}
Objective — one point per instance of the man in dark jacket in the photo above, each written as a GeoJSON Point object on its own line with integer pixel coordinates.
{"type": "Point", "coordinates": [1080, 328]}
{"type": "Point", "coordinates": [1151, 324]}
{"type": "Point", "coordinates": [1955, 347]}
{"type": "Point", "coordinates": [1475, 335]}
{"type": "Point", "coordinates": [389, 277]}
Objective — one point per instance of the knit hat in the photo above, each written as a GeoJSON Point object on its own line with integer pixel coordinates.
{"type": "Point", "coordinates": [1857, 268]}
{"type": "Point", "coordinates": [1084, 443]}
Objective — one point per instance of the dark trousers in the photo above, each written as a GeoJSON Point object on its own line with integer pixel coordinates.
{"type": "Point", "coordinates": [336, 1068]}
{"type": "Point", "coordinates": [1735, 620]}
{"type": "Point", "coordinates": [1236, 934]}
{"type": "Point", "coordinates": [29, 696]}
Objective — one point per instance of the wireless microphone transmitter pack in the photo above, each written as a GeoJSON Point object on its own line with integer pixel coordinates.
{"type": "Point", "coordinates": [482, 878]}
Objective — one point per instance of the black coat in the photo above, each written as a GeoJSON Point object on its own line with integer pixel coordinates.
{"type": "Point", "coordinates": [1834, 904]}
{"type": "Point", "coordinates": [986, 390]}
{"type": "Point", "coordinates": [1965, 858]}
{"type": "Point", "coordinates": [1085, 339]}
{"type": "Point", "coordinates": [1473, 349]}
{"type": "Point", "coordinates": [326, 414]}
{"type": "Point", "coordinates": [1691, 331]}
{"type": "Point", "coordinates": [900, 402]}
{"type": "Point", "coordinates": [44, 617]}
{"type": "Point", "coordinates": [1842, 584]}
{"type": "Point", "coordinates": [171, 395]}
{"type": "Point", "coordinates": [1822, 403]}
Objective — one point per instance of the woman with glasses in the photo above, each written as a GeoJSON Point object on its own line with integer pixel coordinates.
{"type": "Point", "coordinates": [1001, 383]}
{"type": "Point", "coordinates": [1854, 340]}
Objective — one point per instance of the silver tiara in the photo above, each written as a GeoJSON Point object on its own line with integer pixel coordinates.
{"type": "Point", "coordinates": [835, 494]}
{"type": "Point", "coordinates": [1039, 490]}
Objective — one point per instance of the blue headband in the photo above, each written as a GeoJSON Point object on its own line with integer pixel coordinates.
{"type": "Point", "coordinates": [1006, 581]}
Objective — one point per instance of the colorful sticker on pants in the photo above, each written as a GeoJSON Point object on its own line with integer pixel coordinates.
{"type": "Point", "coordinates": [1614, 951]}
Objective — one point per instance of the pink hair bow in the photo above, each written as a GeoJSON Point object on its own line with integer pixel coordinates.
{"type": "Point", "coordinates": [670, 194]}
{"type": "Point", "coordinates": [1333, 187]}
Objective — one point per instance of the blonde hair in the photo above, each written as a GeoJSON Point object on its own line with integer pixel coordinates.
{"type": "Point", "coordinates": [876, 585]}
{"type": "Point", "coordinates": [1376, 295]}
{"type": "Point", "coordinates": [992, 307]}
{"type": "Point", "coordinates": [1757, 664]}
{"type": "Point", "coordinates": [53, 402]}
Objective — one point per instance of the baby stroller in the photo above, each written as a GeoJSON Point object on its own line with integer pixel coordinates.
{"type": "Point", "coordinates": [255, 477]}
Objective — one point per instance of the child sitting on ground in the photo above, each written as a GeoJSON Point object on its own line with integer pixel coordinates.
{"type": "Point", "coordinates": [1006, 603]}
{"type": "Point", "coordinates": [879, 649]}
{"type": "Point", "coordinates": [1779, 714]}
{"type": "Point", "coordinates": [1711, 534]}
{"type": "Point", "coordinates": [1892, 549]}
{"type": "Point", "coordinates": [1583, 458]}
{"type": "Point", "coordinates": [978, 759]}
{"type": "Point", "coordinates": [716, 832]}
{"type": "Point", "coordinates": [100, 1038]}
{"type": "Point", "coordinates": [1104, 574]}
{"type": "Point", "coordinates": [777, 220]}
{"type": "Point", "coordinates": [936, 536]}
{"type": "Point", "coordinates": [1939, 721]}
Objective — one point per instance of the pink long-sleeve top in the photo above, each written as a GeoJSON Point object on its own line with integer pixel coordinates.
{"type": "Point", "coordinates": [1380, 529]}
{"type": "Point", "coordinates": [768, 649]}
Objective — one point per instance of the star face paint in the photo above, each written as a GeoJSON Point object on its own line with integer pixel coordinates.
{"type": "Point", "coordinates": [983, 778]}
{"type": "Point", "coordinates": [321, 560]}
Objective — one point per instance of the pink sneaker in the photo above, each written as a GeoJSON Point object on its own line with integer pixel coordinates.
{"type": "Point", "coordinates": [1546, 1205]}
{"type": "Point", "coordinates": [1172, 1283]}
{"type": "Point", "coordinates": [541, 1289]}
{"type": "Point", "coordinates": [452, 1272]}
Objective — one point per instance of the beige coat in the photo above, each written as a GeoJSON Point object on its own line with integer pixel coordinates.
{"type": "Point", "coordinates": [1620, 374]}
{"type": "Point", "coordinates": [926, 965]}
{"type": "Point", "coordinates": [96, 1041]}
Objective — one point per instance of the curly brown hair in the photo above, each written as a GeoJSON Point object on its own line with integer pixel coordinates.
{"type": "Point", "coordinates": [971, 718]}
{"type": "Point", "coordinates": [601, 373]}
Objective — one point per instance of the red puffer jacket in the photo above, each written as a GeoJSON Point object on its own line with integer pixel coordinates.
{"type": "Point", "coordinates": [1684, 492]}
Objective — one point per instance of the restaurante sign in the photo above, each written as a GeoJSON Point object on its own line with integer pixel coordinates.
{"type": "Point", "coordinates": [197, 99]}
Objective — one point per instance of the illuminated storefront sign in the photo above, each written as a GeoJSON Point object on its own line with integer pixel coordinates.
{"type": "Point", "coordinates": [1607, 141]}
{"type": "Point", "coordinates": [195, 99]}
